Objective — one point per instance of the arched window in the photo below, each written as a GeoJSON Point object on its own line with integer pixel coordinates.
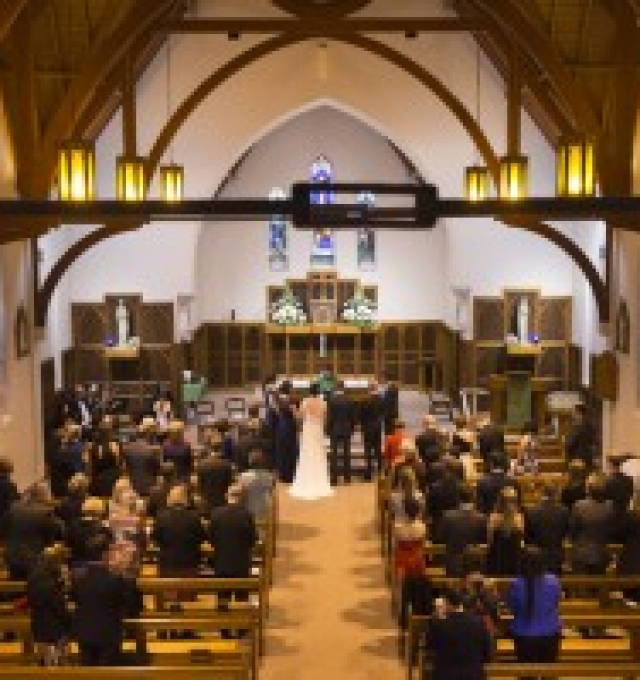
{"type": "Point", "coordinates": [278, 236]}
{"type": "Point", "coordinates": [323, 248]}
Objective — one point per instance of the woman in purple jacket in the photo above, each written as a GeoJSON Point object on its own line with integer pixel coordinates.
{"type": "Point", "coordinates": [533, 598]}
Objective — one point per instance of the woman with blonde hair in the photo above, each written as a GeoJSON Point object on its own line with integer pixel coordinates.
{"type": "Point", "coordinates": [505, 535]}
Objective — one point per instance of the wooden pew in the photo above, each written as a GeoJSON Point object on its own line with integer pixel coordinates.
{"type": "Point", "coordinates": [564, 669]}
{"type": "Point", "coordinates": [208, 672]}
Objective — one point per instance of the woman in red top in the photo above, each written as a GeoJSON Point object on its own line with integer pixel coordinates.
{"type": "Point", "coordinates": [409, 534]}
{"type": "Point", "coordinates": [393, 442]}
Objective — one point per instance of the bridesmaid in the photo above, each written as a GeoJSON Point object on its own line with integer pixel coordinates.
{"type": "Point", "coordinates": [287, 447]}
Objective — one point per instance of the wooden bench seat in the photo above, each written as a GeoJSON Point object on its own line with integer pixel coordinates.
{"type": "Point", "coordinates": [205, 672]}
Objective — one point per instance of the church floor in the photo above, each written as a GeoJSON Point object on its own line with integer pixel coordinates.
{"type": "Point", "coordinates": [329, 608]}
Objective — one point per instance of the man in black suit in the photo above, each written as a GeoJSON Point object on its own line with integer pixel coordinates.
{"type": "Point", "coordinates": [491, 484]}
{"type": "Point", "coordinates": [103, 600]}
{"type": "Point", "coordinates": [490, 442]}
{"type": "Point", "coordinates": [428, 441]}
{"type": "Point", "coordinates": [341, 418]}
{"type": "Point", "coordinates": [142, 457]}
{"type": "Point", "coordinates": [215, 476]}
{"type": "Point", "coordinates": [580, 441]}
{"type": "Point", "coordinates": [445, 493]}
{"type": "Point", "coordinates": [371, 415]}
{"type": "Point", "coordinates": [546, 525]}
{"type": "Point", "coordinates": [391, 406]}
{"type": "Point", "coordinates": [619, 485]}
{"type": "Point", "coordinates": [460, 642]}
{"type": "Point", "coordinates": [460, 528]}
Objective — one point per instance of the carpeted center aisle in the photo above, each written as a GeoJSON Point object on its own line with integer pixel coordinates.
{"type": "Point", "coordinates": [329, 607]}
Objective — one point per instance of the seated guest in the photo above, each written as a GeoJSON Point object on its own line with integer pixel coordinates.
{"type": "Point", "coordinates": [178, 532]}
{"type": "Point", "coordinates": [417, 595]}
{"type": "Point", "coordinates": [576, 486]}
{"type": "Point", "coordinates": [526, 461]}
{"type": "Point", "coordinates": [534, 598]}
{"type": "Point", "coordinates": [546, 527]}
{"type": "Point", "coordinates": [142, 457]}
{"type": "Point", "coordinates": [409, 459]}
{"type": "Point", "coordinates": [48, 608]}
{"type": "Point", "coordinates": [215, 475]}
{"type": "Point", "coordinates": [392, 443]}
{"type": "Point", "coordinates": [249, 439]}
{"type": "Point", "coordinates": [491, 484]}
{"type": "Point", "coordinates": [158, 495]}
{"type": "Point", "coordinates": [83, 529]}
{"type": "Point", "coordinates": [460, 528]}
{"type": "Point", "coordinates": [31, 527]}
{"type": "Point", "coordinates": [409, 536]}
{"type": "Point", "coordinates": [406, 488]}
{"type": "Point", "coordinates": [178, 451]}
{"type": "Point", "coordinates": [265, 433]}
{"type": "Point", "coordinates": [445, 493]}
{"type": "Point", "coordinates": [619, 485]}
{"type": "Point", "coordinates": [8, 495]}
{"type": "Point", "coordinates": [428, 442]}
{"type": "Point", "coordinates": [460, 642]}
{"type": "Point", "coordinates": [258, 484]}
{"type": "Point", "coordinates": [591, 527]}
{"type": "Point", "coordinates": [580, 442]}
{"type": "Point", "coordinates": [104, 598]}
{"type": "Point", "coordinates": [462, 439]}
{"type": "Point", "coordinates": [505, 535]}
{"type": "Point", "coordinates": [490, 440]}
{"type": "Point", "coordinates": [70, 507]}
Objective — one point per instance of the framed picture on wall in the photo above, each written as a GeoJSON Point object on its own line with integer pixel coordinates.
{"type": "Point", "coordinates": [22, 335]}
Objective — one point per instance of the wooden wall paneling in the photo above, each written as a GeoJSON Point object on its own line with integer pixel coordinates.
{"type": "Point", "coordinates": [156, 323]}
{"type": "Point", "coordinates": [553, 363]}
{"type": "Point", "coordinates": [346, 354]}
{"type": "Point", "coordinates": [217, 355]}
{"type": "Point", "coordinates": [411, 341]}
{"type": "Point", "coordinates": [554, 319]}
{"type": "Point", "coordinates": [486, 362]}
{"type": "Point", "coordinates": [89, 323]}
{"type": "Point", "coordinates": [488, 319]}
{"type": "Point", "coordinates": [90, 365]}
{"type": "Point", "coordinates": [575, 368]}
{"type": "Point", "coordinates": [69, 366]}
{"type": "Point", "coordinates": [253, 349]}
{"type": "Point", "coordinates": [368, 354]}
{"type": "Point", "coordinates": [466, 378]}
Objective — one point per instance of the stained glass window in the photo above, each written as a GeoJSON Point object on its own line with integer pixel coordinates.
{"type": "Point", "coordinates": [366, 245]}
{"type": "Point", "coordinates": [323, 248]}
{"type": "Point", "coordinates": [278, 236]}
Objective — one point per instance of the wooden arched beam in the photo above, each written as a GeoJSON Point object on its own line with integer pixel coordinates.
{"type": "Point", "coordinates": [385, 52]}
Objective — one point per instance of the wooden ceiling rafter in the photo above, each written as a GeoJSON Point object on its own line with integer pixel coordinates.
{"type": "Point", "coordinates": [9, 13]}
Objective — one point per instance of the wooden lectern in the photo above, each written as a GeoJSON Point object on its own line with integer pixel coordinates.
{"type": "Point", "coordinates": [519, 396]}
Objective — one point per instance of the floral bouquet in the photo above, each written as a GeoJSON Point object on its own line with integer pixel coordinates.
{"type": "Point", "coordinates": [359, 310]}
{"type": "Point", "coordinates": [288, 311]}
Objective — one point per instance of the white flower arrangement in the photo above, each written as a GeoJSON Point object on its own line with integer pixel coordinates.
{"type": "Point", "coordinates": [359, 310]}
{"type": "Point", "coordinates": [287, 311]}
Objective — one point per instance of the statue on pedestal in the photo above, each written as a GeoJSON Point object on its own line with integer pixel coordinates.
{"type": "Point", "coordinates": [122, 323]}
{"type": "Point", "coordinates": [522, 320]}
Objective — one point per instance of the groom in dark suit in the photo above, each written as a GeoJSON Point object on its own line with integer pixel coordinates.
{"type": "Point", "coordinates": [341, 417]}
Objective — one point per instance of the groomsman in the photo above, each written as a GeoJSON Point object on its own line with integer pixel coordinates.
{"type": "Point", "coordinates": [371, 415]}
{"type": "Point", "coordinates": [341, 419]}
{"type": "Point", "coordinates": [391, 408]}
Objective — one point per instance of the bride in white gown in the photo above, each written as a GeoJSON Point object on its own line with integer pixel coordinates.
{"type": "Point", "coordinates": [311, 480]}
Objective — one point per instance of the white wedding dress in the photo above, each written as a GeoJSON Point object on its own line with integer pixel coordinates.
{"type": "Point", "coordinates": [311, 480]}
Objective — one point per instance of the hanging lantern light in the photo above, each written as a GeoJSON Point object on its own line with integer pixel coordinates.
{"type": "Point", "coordinates": [476, 183]}
{"type": "Point", "coordinates": [576, 168]}
{"type": "Point", "coordinates": [172, 182]}
{"type": "Point", "coordinates": [130, 178]}
{"type": "Point", "coordinates": [76, 171]}
{"type": "Point", "coordinates": [514, 177]}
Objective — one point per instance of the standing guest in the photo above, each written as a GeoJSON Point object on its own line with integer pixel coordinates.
{"type": "Point", "coordinates": [105, 459]}
{"type": "Point", "coordinates": [103, 599]}
{"type": "Point", "coordinates": [82, 530]}
{"type": "Point", "coordinates": [505, 535]}
{"type": "Point", "coordinates": [270, 396]}
{"type": "Point", "coordinates": [126, 522]}
{"type": "Point", "coordinates": [628, 563]}
{"type": "Point", "coordinates": [249, 439]}
{"type": "Point", "coordinates": [460, 642]}
{"type": "Point", "coordinates": [371, 416]}
{"type": "Point", "coordinates": [490, 485]}
{"type": "Point", "coordinates": [591, 526]}
{"type": "Point", "coordinates": [546, 527]}
{"type": "Point", "coordinates": [428, 441]}
{"type": "Point", "coordinates": [178, 532]}
{"type": "Point", "coordinates": [619, 485]}
{"type": "Point", "coordinates": [460, 528]}
{"type": "Point", "coordinates": [445, 493]}
{"type": "Point", "coordinates": [31, 527]}
{"type": "Point", "coordinates": [68, 459]}
{"type": "Point", "coordinates": [576, 487]}
{"type": "Point", "coordinates": [8, 495]}
{"type": "Point", "coordinates": [163, 412]}
{"type": "Point", "coordinates": [341, 419]}
{"type": "Point", "coordinates": [178, 451]}
{"type": "Point", "coordinates": [580, 441]}
{"type": "Point", "coordinates": [215, 476]}
{"type": "Point", "coordinates": [258, 485]}
{"type": "Point", "coordinates": [50, 613]}
{"type": "Point", "coordinates": [405, 487]}
{"type": "Point", "coordinates": [390, 406]}
{"type": "Point", "coordinates": [287, 445]}
{"type": "Point", "coordinates": [526, 461]}
{"type": "Point", "coordinates": [157, 500]}
{"type": "Point", "coordinates": [534, 598]}
{"type": "Point", "coordinates": [392, 443]}
{"type": "Point", "coordinates": [142, 457]}
{"type": "Point", "coordinates": [265, 432]}
{"type": "Point", "coordinates": [490, 440]}
{"type": "Point", "coordinates": [462, 438]}
{"type": "Point", "coordinates": [409, 459]}
{"type": "Point", "coordinates": [70, 507]}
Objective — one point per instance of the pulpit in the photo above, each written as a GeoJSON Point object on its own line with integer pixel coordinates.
{"type": "Point", "coordinates": [518, 395]}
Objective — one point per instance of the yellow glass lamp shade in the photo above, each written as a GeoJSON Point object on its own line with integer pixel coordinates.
{"type": "Point", "coordinates": [514, 177]}
{"type": "Point", "coordinates": [130, 178]}
{"type": "Point", "coordinates": [476, 183]}
{"type": "Point", "coordinates": [172, 182]}
{"type": "Point", "coordinates": [76, 172]}
{"type": "Point", "coordinates": [576, 169]}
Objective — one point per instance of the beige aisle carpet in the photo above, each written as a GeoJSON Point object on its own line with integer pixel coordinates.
{"type": "Point", "coordinates": [329, 608]}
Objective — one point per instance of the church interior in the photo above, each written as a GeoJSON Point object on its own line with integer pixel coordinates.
{"type": "Point", "coordinates": [141, 146]}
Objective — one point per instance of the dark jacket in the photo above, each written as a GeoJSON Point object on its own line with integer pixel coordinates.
{"type": "Point", "coordinates": [50, 616]}
{"type": "Point", "coordinates": [215, 475]}
{"type": "Point", "coordinates": [79, 534]}
{"type": "Point", "coordinates": [103, 599]}
{"type": "Point", "coordinates": [8, 495]}
{"type": "Point", "coordinates": [580, 442]}
{"type": "Point", "coordinates": [181, 455]}
{"type": "Point", "coordinates": [546, 526]}
{"type": "Point", "coordinates": [619, 490]}
{"type": "Point", "coordinates": [461, 646]}
{"type": "Point", "coordinates": [32, 526]}
{"type": "Point", "coordinates": [70, 507]}
{"type": "Point", "coordinates": [489, 487]}
{"type": "Point", "coordinates": [591, 527]}
{"type": "Point", "coordinates": [629, 535]}
{"type": "Point", "coordinates": [232, 533]}
{"type": "Point", "coordinates": [428, 445]}
{"type": "Point", "coordinates": [458, 529]}
{"type": "Point", "coordinates": [178, 533]}
{"type": "Point", "coordinates": [341, 416]}
{"type": "Point", "coordinates": [444, 495]}
{"type": "Point", "coordinates": [572, 493]}
{"type": "Point", "coordinates": [371, 415]}
{"type": "Point", "coordinates": [390, 403]}
{"type": "Point", "coordinates": [143, 464]}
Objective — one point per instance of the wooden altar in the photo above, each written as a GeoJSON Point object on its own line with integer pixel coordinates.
{"type": "Point", "coordinates": [540, 388]}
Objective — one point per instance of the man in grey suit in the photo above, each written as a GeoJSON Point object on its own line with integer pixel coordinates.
{"type": "Point", "coordinates": [341, 418]}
